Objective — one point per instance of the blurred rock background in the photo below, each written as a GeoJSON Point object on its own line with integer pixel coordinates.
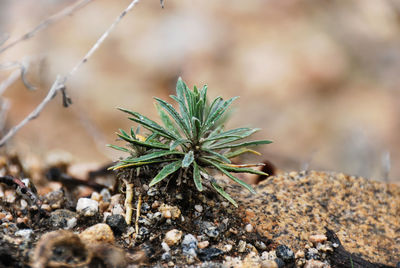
{"type": "Point", "coordinates": [321, 78]}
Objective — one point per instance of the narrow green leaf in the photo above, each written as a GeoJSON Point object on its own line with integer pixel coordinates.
{"type": "Point", "coordinates": [165, 172]}
{"type": "Point", "coordinates": [220, 168]}
{"type": "Point", "coordinates": [223, 193]}
{"type": "Point", "coordinates": [197, 177]}
{"type": "Point", "coordinates": [153, 155]}
{"type": "Point", "coordinates": [125, 165]}
{"type": "Point", "coordinates": [175, 115]}
{"type": "Point", "coordinates": [220, 156]}
{"type": "Point", "coordinates": [243, 170]}
{"type": "Point", "coordinates": [123, 149]}
{"type": "Point", "coordinates": [147, 123]}
{"type": "Point", "coordinates": [176, 143]}
{"type": "Point", "coordinates": [146, 144]}
{"type": "Point", "coordinates": [249, 143]}
{"type": "Point", "coordinates": [188, 159]}
{"type": "Point", "coordinates": [239, 152]}
{"type": "Point", "coordinates": [215, 115]}
{"type": "Point", "coordinates": [171, 126]}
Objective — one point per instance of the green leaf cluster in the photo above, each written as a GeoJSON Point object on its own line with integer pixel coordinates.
{"type": "Point", "coordinates": [192, 139]}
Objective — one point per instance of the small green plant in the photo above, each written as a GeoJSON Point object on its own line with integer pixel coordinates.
{"type": "Point", "coordinates": [191, 142]}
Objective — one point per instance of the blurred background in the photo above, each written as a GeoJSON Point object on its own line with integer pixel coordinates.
{"type": "Point", "coordinates": [321, 78]}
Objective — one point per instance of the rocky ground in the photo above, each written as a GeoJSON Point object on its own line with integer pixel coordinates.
{"type": "Point", "coordinates": [305, 219]}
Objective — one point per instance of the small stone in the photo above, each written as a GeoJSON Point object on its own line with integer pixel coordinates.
{"type": "Point", "coordinates": [152, 191]}
{"type": "Point", "coordinates": [280, 263]}
{"type": "Point", "coordinates": [318, 238]}
{"type": "Point", "coordinates": [59, 218]}
{"type": "Point", "coordinates": [96, 196]}
{"type": "Point", "coordinates": [208, 254]}
{"type": "Point", "coordinates": [171, 264]}
{"type": "Point", "coordinates": [324, 247]}
{"type": "Point", "coordinates": [198, 208]}
{"type": "Point", "coordinates": [145, 187]}
{"type": "Point", "coordinates": [2, 215]}
{"type": "Point", "coordinates": [299, 254]}
{"type": "Point", "coordinates": [260, 245]}
{"type": "Point", "coordinates": [165, 247]}
{"type": "Point", "coordinates": [165, 256]}
{"type": "Point", "coordinates": [117, 223]}
{"type": "Point", "coordinates": [189, 245]}
{"type": "Point", "coordinates": [25, 233]}
{"type": "Point", "coordinates": [22, 220]}
{"type": "Point", "coordinates": [285, 253]}
{"type": "Point", "coordinates": [210, 229]}
{"type": "Point", "coordinates": [173, 237]}
{"type": "Point", "coordinates": [169, 212]}
{"type": "Point", "coordinates": [227, 247]}
{"type": "Point", "coordinates": [249, 228]}
{"type": "Point", "coordinates": [46, 207]}
{"type": "Point", "coordinates": [269, 264]}
{"type": "Point", "coordinates": [71, 223]}
{"type": "Point", "coordinates": [9, 217]}
{"type": "Point", "coordinates": [203, 244]}
{"type": "Point", "coordinates": [117, 210]}
{"type": "Point", "coordinates": [315, 264]}
{"type": "Point", "coordinates": [155, 204]}
{"type": "Point", "coordinates": [105, 195]}
{"type": "Point", "coordinates": [143, 231]}
{"type": "Point", "coordinates": [24, 204]}
{"type": "Point", "coordinates": [313, 253]}
{"type": "Point", "coordinates": [87, 207]}
{"type": "Point", "coordinates": [100, 232]}
{"type": "Point", "coordinates": [242, 246]}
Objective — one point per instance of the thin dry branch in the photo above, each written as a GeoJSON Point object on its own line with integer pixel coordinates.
{"type": "Point", "coordinates": [47, 22]}
{"type": "Point", "coordinates": [59, 83]}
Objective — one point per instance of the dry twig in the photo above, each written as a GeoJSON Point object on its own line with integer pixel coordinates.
{"type": "Point", "coordinates": [59, 83]}
{"type": "Point", "coordinates": [47, 22]}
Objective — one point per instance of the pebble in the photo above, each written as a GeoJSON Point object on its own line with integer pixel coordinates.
{"type": "Point", "coordinates": [9, 217]}
{"type": "Point", "coordinates": [25, 233]}
{"type": "Point", "coordinates": [96, 196]}
{"type": "Point", "coordinates": [117, 210]}
{"type": "Point", "coordinates": [189, 245]}
{"type": "Point", "coordinates": [87, 207]}
{"type": "Point", "coordinates": [203, 244]}
{"type": "Point", "coordinates": [165, 247]}
{"type": "Point", "coordinates": [100, 232]}
{"type": "Point", "coordinates": [208, 254]}
{"type": "Point", "coordinates": [22, 220]}
{"type": "Point", "coordinates": [46, 207]}
{"type": "Point", "coordinates": [299, 254]}
{"type": "Point", "coordinates": [155, 204]}
{"type": "Point", "coordinates": [210, 229]}
{"type": "Point", "coordinates": [318, 238]}
{"type": "Point", "coordinates": [313, 253]}
{"type": "Point", "coordinates": [173, 237]}
{"type": "Point", "coordinates": [60, 217]}
{"type": "Point", "coordinates": [242, 246]}
{"type": "Point", "coordinates": [249, 228]}
{"type": "Point", "coordinates": [260, 245]}
{"type": "Point", "coordinates": [71, 223]}
{"type": "Point", "coordinates": [2, 215]}
{"type": "Point", "coordinates": [269, 264]}
{"type": "Point", "coordinates": [285, 253]}
{"type": "Point", "coordinates": [315, 264]}
{"type": "Point", "coordinates": [227, 247]}
{"type": "Point", "coordinates": [117, 223]}
{"type": "Point", "coordinates": [169, 212]}
{"type": "Point", "coordinates": [105, 195]}
{"type": "Point", "coordinates": [198, 208]}
{"type": "Point", "coordinates": [24, 204]}
{"type": "Point", "coordinates": [280, 263]}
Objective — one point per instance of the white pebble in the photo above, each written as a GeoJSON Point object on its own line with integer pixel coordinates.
{"type": "Point", "coordinates": [25, 233]}
{"type": "Point", "coordinates": [165, 247]}
{"type": "Point", "coordinates": [249, 228]}
{"type": "Point", "coordinates": [173, 237]}
{"type": "Point", "coordinates": [87, 207]}
{"type": "Point", "coordinates": [71, 223]}
{"type": "Point", "coordinates": [198, 208]}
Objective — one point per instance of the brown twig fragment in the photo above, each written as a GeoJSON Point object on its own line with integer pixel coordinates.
{"type": "Point", "coordinates": [128, 202]}
{"type": "Point", "coordinates": [59, 83]}
{"type": "Point", "coordinates": [47, 22]}
{"type": "Point", "coordinates": [138, 207]}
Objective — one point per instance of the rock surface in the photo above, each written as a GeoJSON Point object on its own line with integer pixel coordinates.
{"type": "Point", "coordinates": [290, 208]}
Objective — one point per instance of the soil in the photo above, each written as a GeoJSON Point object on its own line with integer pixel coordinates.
{"type": "Point", "coordinates": [69, 222]}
